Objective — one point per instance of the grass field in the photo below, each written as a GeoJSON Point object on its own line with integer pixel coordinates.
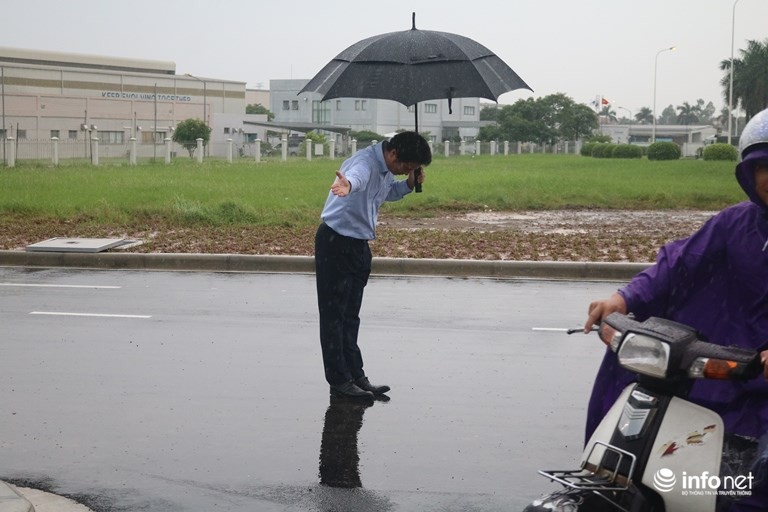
{"type": "Point", "coordinates": [292, 193]}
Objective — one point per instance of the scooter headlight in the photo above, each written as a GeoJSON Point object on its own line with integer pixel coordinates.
{"type": "Point", "coordinates": [643, 354]}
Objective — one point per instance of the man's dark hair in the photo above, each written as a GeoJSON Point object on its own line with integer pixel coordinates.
{"type": "Point", "coordinates": [411, 147]}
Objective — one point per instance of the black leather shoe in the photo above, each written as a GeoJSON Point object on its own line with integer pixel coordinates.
{"type": "Point", "coordinates": [364, 384]}
{"type": "Point", "coordinates": [349, 390]}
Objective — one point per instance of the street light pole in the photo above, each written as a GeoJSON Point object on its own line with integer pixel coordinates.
{"type": "Point", "coordinates": [730, 80]}
{"type": "Point", "coordinates": [629, 130]}
{"type": "Point", "coordinates": [655, 68]}
{"type": "Point", "coordinates": [205, 102]}
{"type": "Point", "coordinates": [205, 97]}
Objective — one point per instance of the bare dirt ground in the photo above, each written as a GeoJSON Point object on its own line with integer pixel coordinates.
{"type": "Point", "coordinates": [565, 235]}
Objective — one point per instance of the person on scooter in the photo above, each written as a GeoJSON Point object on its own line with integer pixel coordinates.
{"type": "Point", "coordinates": [716, 281]}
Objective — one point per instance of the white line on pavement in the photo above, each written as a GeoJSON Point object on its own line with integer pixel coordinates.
{"type": "Point", "coordinates": [61, 285]}
{"type": "Point", "coordinates": [101, 315]}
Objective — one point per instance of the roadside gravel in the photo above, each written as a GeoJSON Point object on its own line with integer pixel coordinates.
{"type": "Point", "coordinates": [564, 235]}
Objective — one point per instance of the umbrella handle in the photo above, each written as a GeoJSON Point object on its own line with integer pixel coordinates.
{"type": "Point", "coordinates": [417, 185]}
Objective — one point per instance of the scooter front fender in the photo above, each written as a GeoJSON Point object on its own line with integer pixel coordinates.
{"type": "Point", "coordinates": [684, 457]}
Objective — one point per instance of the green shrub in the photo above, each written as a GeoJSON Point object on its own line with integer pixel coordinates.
{"type": "Point", "coordinates": [627, 151]}
{"type": "Point", "coordinates": [586, 149]}
{"type": "Point", "coordinates": [603, 150]}
{"type": "Point", "coordinates": [664, 151]}
{"type": "Point", "coordinates": [720, 152]}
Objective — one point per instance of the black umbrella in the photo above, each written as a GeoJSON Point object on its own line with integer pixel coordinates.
{"type": "Point", "coordinates": [415, 65]}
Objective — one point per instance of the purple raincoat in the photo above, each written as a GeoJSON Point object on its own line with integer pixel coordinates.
{"type": "Point", "coordinates": [716, 281]}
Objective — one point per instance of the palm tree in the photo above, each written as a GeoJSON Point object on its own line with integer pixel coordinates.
{"type": "Point", "coordinates": [644, 116]}
{"type": "Point", "coordinates": [608, 113]}
{"type": "Point", "coordinates": [687, 113]}
{"type": "Point", "coordinates": [750, 78]}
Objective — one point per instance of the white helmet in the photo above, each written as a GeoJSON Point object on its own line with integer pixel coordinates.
{"type": "Point", "coordinates": [754, 134]}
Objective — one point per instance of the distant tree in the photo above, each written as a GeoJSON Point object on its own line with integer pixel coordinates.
{"type": "Point", "coordinates": [706, 112]}
{"type": "Point", "coordinates": [544, 120]}
{"type": "Point", "coordinates": [750, 78]}
{"type": "Point", "coordinates": [644, 116]}
{"type": "Point", "coordinates": [489, 112]}
{"type": "Point", "coordinates": [668, 116]}
{"type": "Point", "coordinates": [366, 136]}
{"type": "Point", "coordinates": [608, 113]}
{"type": "Point", "coordinates": [687, 114]}
{"type": "Point", "coordinates": [258, 108]}
{"type": "Point", "coordinates": [188, 131]}
{"type": "Point", "coordinates": [578, 122]}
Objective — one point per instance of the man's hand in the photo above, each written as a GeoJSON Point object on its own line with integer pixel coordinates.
{"type": "Point", "coordinates": [415, 176]}
{"type": "Point", "coordinates": [341, 187]}
{"type": "Point", "coordinates": [600, 309]}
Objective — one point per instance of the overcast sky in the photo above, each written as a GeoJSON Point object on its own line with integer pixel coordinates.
{"type": "Point", "coordinates": [583, 48]}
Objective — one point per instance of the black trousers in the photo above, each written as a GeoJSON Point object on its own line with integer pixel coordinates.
{"type": "Point", "coordinates": [342, 268]}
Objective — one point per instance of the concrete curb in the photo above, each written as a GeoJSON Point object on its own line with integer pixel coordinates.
{"type": "Point", "coordinates": [12, 501]}
{"type": "Point", "coordinates": [305, 264]}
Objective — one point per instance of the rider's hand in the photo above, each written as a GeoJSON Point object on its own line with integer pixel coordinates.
{"type": "Point", "coordinates": [600, 309]}
{"type": "Point", "coordinates": [764, 360]}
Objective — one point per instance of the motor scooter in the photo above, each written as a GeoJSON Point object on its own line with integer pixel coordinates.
{"type": "Point", "coordinates": [654, 450]}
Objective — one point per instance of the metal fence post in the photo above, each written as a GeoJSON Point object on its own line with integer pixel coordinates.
{"type": "Point", "coordinates": [477, 147]}
{"type": "Point", "coordinates": [55, 141]}
{"type": "Point", "coordinates": [229, 150]}
{"type": "Point", "coordinates": [354, 146]}
{"type": "Point", "coordinates": [332, 149]}
{"type": "Point", "coordinates": [462, 147]}
{"type": "Point", "coordinates": [199, 150]}
{"type": "Point", "coordinates": [95, 151]}
{"type": "Point", "coordinates": [447, 148]}
{"type": "Point", "coordinates": [284, 148]}
{"type": "Point", "coordinates": [308, 142]}
{"type": "Point", "coordinates": [257, 150]}
{"type": "Point", "coordinates": [11, 151]}
{"type": "Point", "coordinates": [167, 150]}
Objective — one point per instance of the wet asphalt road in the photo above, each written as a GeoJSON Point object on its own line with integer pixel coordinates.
{"type": "Point", "coordinates": [205, 391]}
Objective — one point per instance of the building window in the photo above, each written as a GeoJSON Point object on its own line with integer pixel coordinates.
{"type": "Point", "coordinates": [112, 137]}
{"type": "Point", "coordinates": [357, 105]}
{"type": "Point", "coordinates": [21, 134]}
{"type": "Point", "coordinates": [286, 105]}
{"type": "Point", "coordinates": [55, 133]}
{"type": "Point", "coordinates": [338, 105]}
{"type": "Point", "coordinates": [469, 111]}
{"type": "Point", "coordinates": [411, 109]}
{"type": "Point", "coordinates": [152, 137]}
{"type": "Point", "coordinates": [321, 112]}
{"type": "Point", "coordinates": [430, 108]}
{"type": "Point", "coordinates": [72, 134]}
{"type": "Point", "coordinates": [226, 129]}
{"type": "Point", "coordinates": [2, 133]}
{"type": "Point", "coordinates": [295, 105]}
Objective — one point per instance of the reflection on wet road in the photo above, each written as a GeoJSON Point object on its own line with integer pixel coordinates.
{"type": "Point", "coordinates": [163, 392]}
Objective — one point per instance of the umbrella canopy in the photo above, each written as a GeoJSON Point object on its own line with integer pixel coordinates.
{"type": "Point", "coordinates": [415, 65]}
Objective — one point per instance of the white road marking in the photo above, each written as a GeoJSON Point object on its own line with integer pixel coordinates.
{"type": "Point", "coordinates": [61, 286]}
{"type": "Point", "coordinates": [100, 315]}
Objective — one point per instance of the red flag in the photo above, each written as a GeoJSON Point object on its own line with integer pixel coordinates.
{"type": "Point", "coordinates": [604, 101]}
